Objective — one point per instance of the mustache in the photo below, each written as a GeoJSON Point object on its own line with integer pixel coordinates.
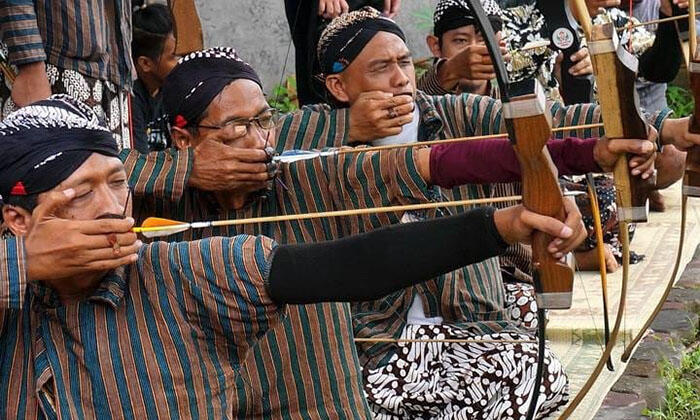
{"type": "Point", "coordinates": [111, 216]}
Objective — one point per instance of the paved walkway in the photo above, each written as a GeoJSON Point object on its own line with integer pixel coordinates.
{"type": "Point", "coordinates": [576, 335]}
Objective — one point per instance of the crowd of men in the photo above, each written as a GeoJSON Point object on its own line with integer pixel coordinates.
{"type": "Point", "coordinates": [104, 126]}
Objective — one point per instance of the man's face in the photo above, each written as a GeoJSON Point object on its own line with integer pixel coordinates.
{"type": "Point", "coordinates": [385, 64]}
{"type": "Point", "coordinates": [231, 109]}
{"type": "Point", "coordinates": [455, 41]}
{"type": "Point", "coordinates": [167, 59]}
{"type": "Point", "coordinates": [101, 190]}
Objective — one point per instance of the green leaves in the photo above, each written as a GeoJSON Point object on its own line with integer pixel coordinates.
{"type": "Point", "coordinates": [680, 100]}
{"type": "Point", "coordinates": [284, 97]}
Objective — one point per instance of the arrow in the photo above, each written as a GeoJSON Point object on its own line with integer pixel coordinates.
{"type": "Point", "coordinates": [154, 227]}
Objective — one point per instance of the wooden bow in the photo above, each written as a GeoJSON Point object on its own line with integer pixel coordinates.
{"type": "Point", "coordinates": [691, 178]}
{"type": "Point", "coordinates": [615, 71]}
{"type": "Point", "coordinates": [187, 26]}
{"type": "Point", "coordinates": [529, 128]}
{"type": "Point", "coordinates": [562, 30]}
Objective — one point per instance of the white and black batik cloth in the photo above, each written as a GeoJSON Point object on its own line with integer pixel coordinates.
{"type": "Point", "coordinates": [443, 7]}
{"type": "Point", "coordinates": [441, 381]}
{"type": "Point", "coordinates": [521, 306]}
{"type": "Point", "coordinates": [109, 102]}
{"type": "Point", "coordinates": [522, 25]}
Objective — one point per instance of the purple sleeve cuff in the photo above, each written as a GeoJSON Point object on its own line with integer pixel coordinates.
{"type": "Point", "coordinates": [494, 160]}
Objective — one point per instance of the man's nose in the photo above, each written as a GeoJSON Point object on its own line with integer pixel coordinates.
{"type": "Point", "coordinates": [109, 201]}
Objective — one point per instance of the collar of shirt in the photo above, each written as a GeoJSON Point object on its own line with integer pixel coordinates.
{"type": "Point", "coordinates": [110, 292]}
{"type": "Point", "coordinates": [430, 123]}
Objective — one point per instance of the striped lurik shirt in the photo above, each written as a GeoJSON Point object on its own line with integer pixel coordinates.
{"type": "Point", "coordinates": [473, 296]}
{"type": "Point", "coordinates": [92, 37]}
{"type": "Point", "coordinates": [162, 338]}
{"type": "Point", "coordinates": [307, 366]}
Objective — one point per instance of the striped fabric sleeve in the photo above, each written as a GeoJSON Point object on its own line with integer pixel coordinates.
{"type": "Point", "coordinates": [374, 179]}
{"type": "Point", "coordinates": [20, 32]}
{"type": "Point", "coordinates": [313, 127]}
{"type": "Point", "coordinates": [222, 282]}
{"type": "Point", "coordinates": [13, 278]}
{"type": "Point", "coordinates": [160, 175]}
{"type": "Point", "coordinates": [573, 115]}
{"type": "Point", "coordinates": [429, 82]}
{"type": "Point", "coordinates": [580, 114]}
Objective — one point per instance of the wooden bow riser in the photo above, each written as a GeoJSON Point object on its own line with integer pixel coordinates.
{"type": "Point", "coordinates": [691, 179]}
{"type": "Point", "coordinates": [541, 194]}
{"type": "Point", "coordinates": [186, 26]}
{"type": "Point", "coordinates": [620, 111]}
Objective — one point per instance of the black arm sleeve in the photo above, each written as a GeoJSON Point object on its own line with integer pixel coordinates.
{"type": "Point", "coordinates": [372, 265]}
{"type": "Point", "coordinates": [661, 62]}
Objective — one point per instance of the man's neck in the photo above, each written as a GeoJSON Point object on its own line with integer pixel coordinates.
{"type": "Point", "coordinates": [152, 85]}
{"type": "Point", "coordinates": [82, 287]}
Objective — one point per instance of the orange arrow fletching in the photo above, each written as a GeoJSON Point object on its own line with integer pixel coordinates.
{"type": "Point", "coordinates": [160, 222]}
{"type": "Point", "coordinates": [156, 226]}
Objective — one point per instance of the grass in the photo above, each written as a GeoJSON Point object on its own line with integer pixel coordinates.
{"type": "Point", "coordinates": [682, 400]}
{"type": "Point", "coordinates": [679, 100]}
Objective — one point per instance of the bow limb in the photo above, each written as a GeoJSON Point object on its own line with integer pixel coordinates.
{"type": "Point", "coordinates": [691, 177]}
{"type": "Point", "coordinates": [186, 26]}
{"type": "Point", "coordinates": [615, 72]}
{"type": "Point", "coordinates": [562, 30]}
{"type": "Point", "coordinates": [600, 248]}
{"type": "Point", "coordinates": [529, 128]}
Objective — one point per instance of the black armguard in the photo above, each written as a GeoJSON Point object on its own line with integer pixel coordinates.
{"type": "Point", "coordinates": [661, 62]}
{"type": "Point", "coordinates": [372, 265]}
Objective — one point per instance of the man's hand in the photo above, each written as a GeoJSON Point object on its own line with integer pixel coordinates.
{"type": "Point", "coordinates": [218, 167]}
{"type": "Point", "coordinates": [595, 5]}
{"type": "Point", "coordinates": [607, 152]}
{"type": "Point", "coordinates": [666, 9]}
{"type": "Point", "coordinates": [472, 63]}
{"type": "Point", "coordinates": [58, 249]}
{"type": "Point", "coordinates": [675, 131]}
{"type": "Point", "coordinates": [517, 224]}
{"type": "Point", "coordinates": [391, 8]}
{"type": "Point", "coordinates": [377, 114]}
{"type": "Point", "coordinates": [31, 84]}
{"type": "Point", "coordinates": [583, 64]}
{"type": "Point", "coordinates": [331, 9]}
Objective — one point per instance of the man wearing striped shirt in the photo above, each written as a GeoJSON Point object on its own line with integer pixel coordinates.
{"type": "Point", "coordinates": [80, 48]}
{"type": "Point", "coordinates": [164, 336]}
{"type": "Point", "coordinates": [365, 62]}
{"type": "Point", "coordinates": [302, 366]}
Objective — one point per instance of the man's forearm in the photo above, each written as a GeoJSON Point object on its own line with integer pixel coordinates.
{"type": "Point", "coordinates": [494, 160]}
{"type": "Point", "coordinates": [372, 265]}
{"type": "Point", "coordinates": [161, 175]}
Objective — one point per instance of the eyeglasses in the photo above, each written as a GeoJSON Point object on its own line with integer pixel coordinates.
{"type": "Point", "coordinates": [266, 120]}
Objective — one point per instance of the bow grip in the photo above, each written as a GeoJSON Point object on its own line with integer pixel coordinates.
{"type": "Point", "coordinates": [619, 103]}
{"type": "Point", "coordinates": [529, 125]}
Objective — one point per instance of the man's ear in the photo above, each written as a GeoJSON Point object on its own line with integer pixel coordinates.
{"type": "Point", "coordinates": [434, 45]}
{"type": "Point", "coordinates": [182, 138]}
{"type": "Point", "coordinates": [145, 64]}
{"type": "Point", "coordinates": [17, 219]}
{"type": "Point", "coordinates": [336, 86]}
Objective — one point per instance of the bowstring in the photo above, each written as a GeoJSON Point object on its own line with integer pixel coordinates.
{"type": "Point", "coordinates": [286, 59]}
